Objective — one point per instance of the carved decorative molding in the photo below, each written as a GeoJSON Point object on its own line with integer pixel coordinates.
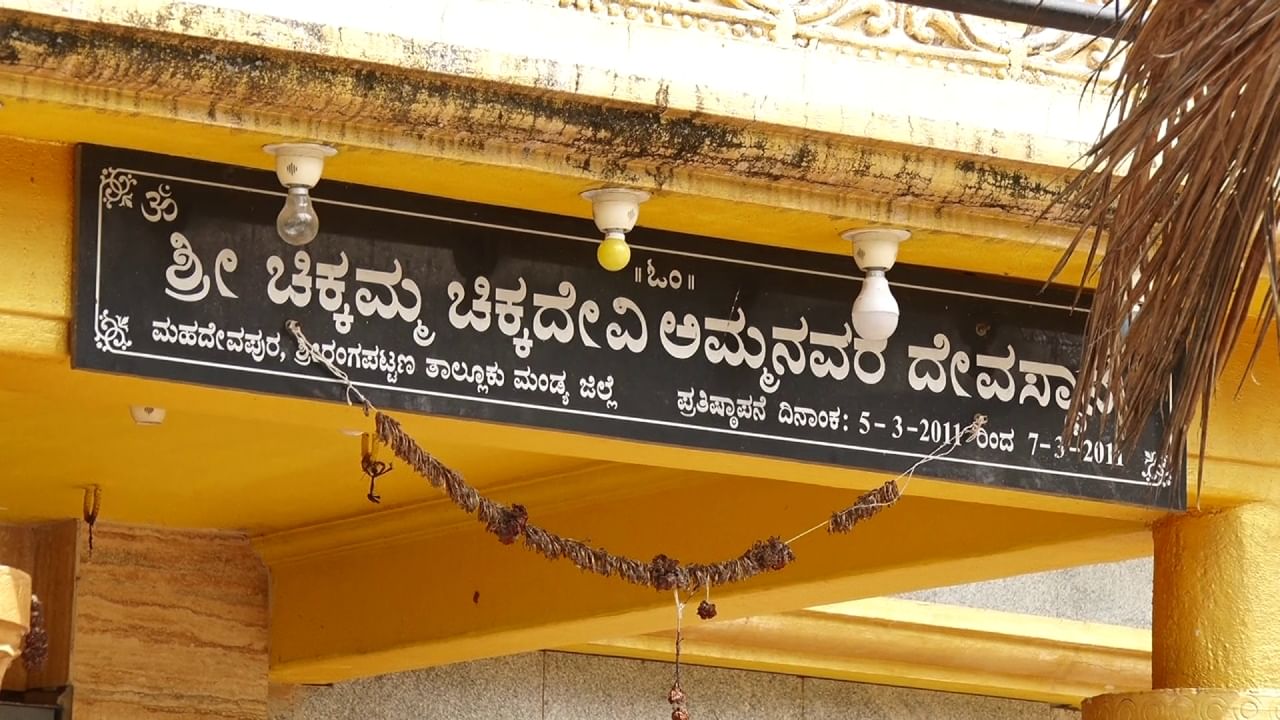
{"type": "Point", "coordinates": [881, 30]}
{"type": "Point", "coordinates": [1188, 704]}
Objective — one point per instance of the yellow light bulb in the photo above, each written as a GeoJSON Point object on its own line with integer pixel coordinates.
{"type": "Point", "coordinates": [614, 253]}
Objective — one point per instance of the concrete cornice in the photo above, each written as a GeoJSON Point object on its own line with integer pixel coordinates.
{"type": "Point", "coordinates": [766, 125]}
{"type": "Point", "coordinates": [921, 645]}
{"type": "Point", "coordinates": [545, 48]}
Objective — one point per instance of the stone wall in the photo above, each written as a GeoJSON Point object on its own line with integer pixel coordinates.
{"type": "Point", "coordinates": [562, 686]}
{"type": "Point", "coordinates": [1110, 593]}
{"type": "Point", "coordinates": [170, 624]}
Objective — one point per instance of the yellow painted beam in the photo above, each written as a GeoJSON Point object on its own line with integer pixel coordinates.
{"type": "Point", "coordinates": [36, 219]}
{"type": "Point", "coordinates": [577, 490]}
{"type": "Point", "coordinates": [1241, 451]}
{"type": "Point", "coordinates": [914, 644]}
{"type": "Point", "coordinates": [421, 601]}
{"type": "Point", "coordinates": [29, 336]}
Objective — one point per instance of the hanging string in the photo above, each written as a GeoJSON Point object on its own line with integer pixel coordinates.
{"type": "Point", "coordinates": [511, 522]}
{"type": "Point", "coordinates": [873, 501]}
{"type": "Point", "coordinates": [92, 506]}
{"type": "Point", "coordinates": [677, 697]}
{"type": "Point", "coordinates": [313, 352]}
{"type": "Point", "coordinates": [372, 467]}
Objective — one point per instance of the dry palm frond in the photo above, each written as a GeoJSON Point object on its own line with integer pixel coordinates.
{"type": "Point", "coordinates": [1184, 188]}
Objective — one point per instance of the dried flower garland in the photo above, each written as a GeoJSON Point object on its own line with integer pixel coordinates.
{"type": "Point", "coordinates": [663, 573]}
{"type": "Point", "coordinates": [35, 644]}
{"type": "Point", "coordinates": [510, 523]}
{"type": "Point", "coordinates": [706, 609]}
{"type": "Point", "coordinates": [867, 505]}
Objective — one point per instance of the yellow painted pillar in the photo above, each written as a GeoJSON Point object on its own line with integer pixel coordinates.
{"type": "Point", "coordinates": [1216, 621]}
{"type": "Point", "coordinates": [15, 614]}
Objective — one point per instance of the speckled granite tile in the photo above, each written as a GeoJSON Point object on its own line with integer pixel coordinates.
{"type": "Point", "coordinates": [1114, 593]}
{"type": "Point", "coordinates": [582, 687]}
{"type": "Point", "coordinates": [833, 700]}
{"type": "Point", "coordinates": [507, 688]}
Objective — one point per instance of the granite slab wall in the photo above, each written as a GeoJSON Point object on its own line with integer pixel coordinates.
{"type": "Point", "coordinates": [1111, 593]}
{"type": "Point", "coordinates": [563, 686]}
{"type": "Point", "coordinates": [170, 625]}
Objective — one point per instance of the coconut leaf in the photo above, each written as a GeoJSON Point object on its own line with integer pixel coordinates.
{"type": "Point", "coordinates": [1183, 190]}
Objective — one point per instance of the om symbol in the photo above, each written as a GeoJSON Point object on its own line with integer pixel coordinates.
{"type": "Point", "coordinates": [160, 205]}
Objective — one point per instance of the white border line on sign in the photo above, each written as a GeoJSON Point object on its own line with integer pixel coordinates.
{"type": "Point", "coordinates": [571, 411]}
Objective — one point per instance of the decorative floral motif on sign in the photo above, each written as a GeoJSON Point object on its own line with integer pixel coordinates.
{"type": "Point", "coordinates": [880, 29]}
{"type": "Point", "coordinates": [1155, 470]}
{"type": "Point", "coordinates": [116, 188]}
{"type": "Point", "coordinates": [111, 332]}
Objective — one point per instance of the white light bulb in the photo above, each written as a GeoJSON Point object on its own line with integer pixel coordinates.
{"type": "Point", "coordinates": [875, 310]}
{"type": "Point", "coordinates": [297, 222]}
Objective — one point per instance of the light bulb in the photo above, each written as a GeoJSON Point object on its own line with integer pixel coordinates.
{"type": "Point", "coordinates": [875, 310]}
{"type": "Point", "coordinates": [297, 222]}
{"type": "Point", "coordinates": [614, 253]}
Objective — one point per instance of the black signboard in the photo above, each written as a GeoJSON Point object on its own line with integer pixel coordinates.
{"type": "Point", "coordinates": [474, 311]}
